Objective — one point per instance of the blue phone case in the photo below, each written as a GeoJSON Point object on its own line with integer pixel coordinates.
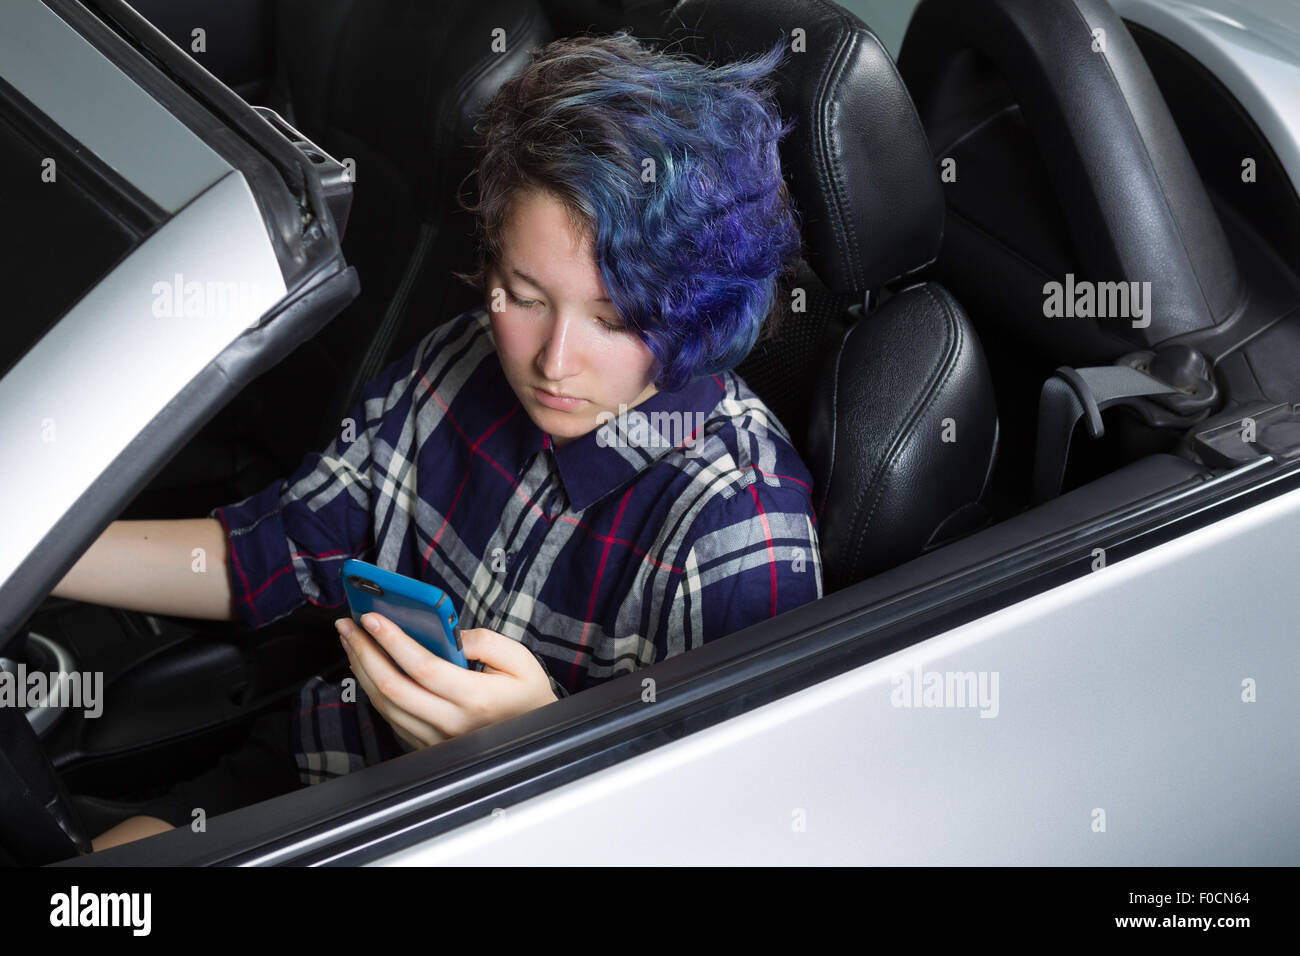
{"type": "Point", "coordinates": [421, 610]}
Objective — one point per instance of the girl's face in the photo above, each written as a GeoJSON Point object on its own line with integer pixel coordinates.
{"type": "Point", "coordinates": [556, 331]}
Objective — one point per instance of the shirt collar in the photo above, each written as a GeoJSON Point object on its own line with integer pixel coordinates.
{"type": "Point", "coordinates": [630, 440]}
{"type": "Point", "coordinates": [624, 442]}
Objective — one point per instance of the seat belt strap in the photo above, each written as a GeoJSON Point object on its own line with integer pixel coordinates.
{"type": "Point", "coordinates": [1074, 393]}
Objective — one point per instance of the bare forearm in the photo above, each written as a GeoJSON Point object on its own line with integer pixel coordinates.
{"type": "Point", "coordinates": [162, 567]}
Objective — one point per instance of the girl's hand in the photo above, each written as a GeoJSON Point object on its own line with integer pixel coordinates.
{"type": "Point", "coordinates": [435, 699]}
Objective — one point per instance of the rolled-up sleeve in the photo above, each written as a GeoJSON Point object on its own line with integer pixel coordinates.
{"type": "Point", "coordinates": [287, 542]}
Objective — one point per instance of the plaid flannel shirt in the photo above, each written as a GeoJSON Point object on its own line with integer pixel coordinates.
{"type": "Point", "coordinates": [644, 538]}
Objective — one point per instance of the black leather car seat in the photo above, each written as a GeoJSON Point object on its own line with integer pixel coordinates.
{"type": "Point", "coordinates": [1065, 166]}
{"type": "Point", "coordinates": [1024, 91]}
{"type": "Point", "coordinates": [901, 425]}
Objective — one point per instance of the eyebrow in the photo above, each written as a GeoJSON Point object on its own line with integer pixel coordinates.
{"type": "Point", "coordinates": [527, 278]}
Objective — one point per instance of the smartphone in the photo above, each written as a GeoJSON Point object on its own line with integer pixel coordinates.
{"type": "Point", "coordinates": [421, 610]}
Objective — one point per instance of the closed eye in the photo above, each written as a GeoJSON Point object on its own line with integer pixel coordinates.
{"type": "Point", "coordinates": [522, 303]}
{"type": "Point", "coordinates": [533, 303]}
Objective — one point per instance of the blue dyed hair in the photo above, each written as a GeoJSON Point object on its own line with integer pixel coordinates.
{"type": "Point", "coordinates": [672, 167]}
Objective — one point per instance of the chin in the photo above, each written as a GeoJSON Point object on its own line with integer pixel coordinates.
{"type": "Point", "coordinates": [560, 424]}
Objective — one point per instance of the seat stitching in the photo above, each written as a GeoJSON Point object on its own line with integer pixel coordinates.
{"type": "Point", "coordinates": [823, 145]}
{"type": "Point", "coordinates": [835, 417]}
{"type": "Point", "coordinates": [899, 440]}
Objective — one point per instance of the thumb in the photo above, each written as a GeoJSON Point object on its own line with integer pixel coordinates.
{"type": "Point", "coordinates": [497, 652]}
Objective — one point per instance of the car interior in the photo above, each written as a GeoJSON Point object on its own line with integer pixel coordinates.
{"type": "Point", "coordinates": [935, 402]}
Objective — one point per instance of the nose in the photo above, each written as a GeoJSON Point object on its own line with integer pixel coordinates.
{"type": "Point", "coordinates": [558, 358]}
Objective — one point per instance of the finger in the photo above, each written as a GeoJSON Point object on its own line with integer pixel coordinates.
{"type": "Point", "coordinates": [498, 652]}
{"type": "Point", "coordinates": [396, 716]}
{"type": "Point", "coordinates": [416, 698]}
{"type": "Point", "coordinates": [451, 683]}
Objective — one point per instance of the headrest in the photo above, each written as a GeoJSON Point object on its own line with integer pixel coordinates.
{"type": "Point", "coordinates": [857, 162]}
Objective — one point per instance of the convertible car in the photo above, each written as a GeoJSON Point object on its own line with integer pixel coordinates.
{"type": "Point", "coordinates": [1044, 374]}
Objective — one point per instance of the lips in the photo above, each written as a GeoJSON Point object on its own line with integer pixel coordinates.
{"type": "Point", "coordinates": [559, 404]}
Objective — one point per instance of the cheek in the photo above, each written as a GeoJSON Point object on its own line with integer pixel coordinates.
{"type": "Point", "coordinates": [516, 342]}
{"type": "Point", "coordinates": [642, 361]}
{"type": "Point", "coordinates": [626, 368]}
